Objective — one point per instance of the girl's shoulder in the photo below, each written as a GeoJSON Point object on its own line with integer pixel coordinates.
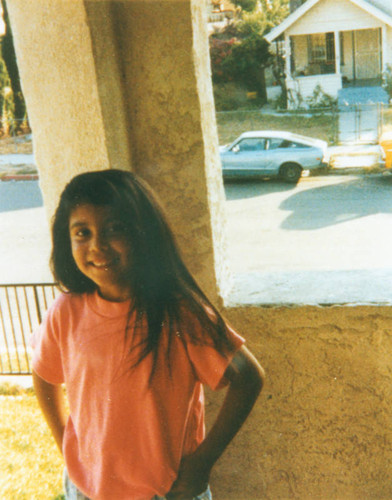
{"type": "Point", "coordinates": [66, 302]}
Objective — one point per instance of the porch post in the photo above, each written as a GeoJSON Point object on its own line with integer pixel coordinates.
{"type": "Point", "coordinates": [288, 55]}
{"type": "Point", "coordinates": [384, 47]}
{"type": "Point", "coordinates": [337, 52]}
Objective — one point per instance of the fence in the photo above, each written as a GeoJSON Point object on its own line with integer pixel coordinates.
{"type": "Point", "coordinates": [336, 125]}
{"type": "Point", "coordinates": [21, 309]}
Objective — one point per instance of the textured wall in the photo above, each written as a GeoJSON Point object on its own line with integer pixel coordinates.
{"type": "Point", "coordinates": [321, 428]}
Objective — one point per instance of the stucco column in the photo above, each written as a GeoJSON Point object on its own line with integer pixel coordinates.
{"type": "Point", "coordinates": [126, 84]}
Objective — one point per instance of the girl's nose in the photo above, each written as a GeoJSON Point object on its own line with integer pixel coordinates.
{"type": "Point", "coordinates": [99, 242]}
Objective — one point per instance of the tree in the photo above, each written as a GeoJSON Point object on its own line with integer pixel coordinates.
{"type": "Point", "coordinates": [247, 5]}
{"type": "Point", "coordinates": [240, 53]}
{"type": "Point", "coordinates": [9, 57]}
{"type": "Point", "coordinates": [246, 63]}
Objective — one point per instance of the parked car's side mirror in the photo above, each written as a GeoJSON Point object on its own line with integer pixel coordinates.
{"type": "Point", "coordinates": [235, 149]}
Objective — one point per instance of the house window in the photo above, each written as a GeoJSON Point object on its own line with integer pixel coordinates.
{"type": "Point", "coordinates": [321, 53]}
{"type": "Point", "coordinates": [316, 48]}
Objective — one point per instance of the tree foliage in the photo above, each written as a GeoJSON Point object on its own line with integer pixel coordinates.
{"type": "Point", "coordinates": [245, 64]}
{"type": "Point", "coordinates": [265, 15]}
{"type": "Point", "coordinates": [247, 5]}
{"type": "Point", "coordinates": [9, 58]}
{"type": "Point", "coordinates": [239, 52]}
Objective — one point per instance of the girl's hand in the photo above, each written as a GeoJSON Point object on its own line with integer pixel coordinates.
{"type": "Point", "coordinates": [192, 480]}
{"type": "Point", "coordinates": [245, 376]}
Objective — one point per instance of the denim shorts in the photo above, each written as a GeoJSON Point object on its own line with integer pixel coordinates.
{"type": "Point", "coordinates": [206, 495]}
{"type": "Point", "coordinates": [72, 493]}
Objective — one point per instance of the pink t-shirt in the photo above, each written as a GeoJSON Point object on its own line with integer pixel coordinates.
{"type": "Point", "coordinates": [124, 439]}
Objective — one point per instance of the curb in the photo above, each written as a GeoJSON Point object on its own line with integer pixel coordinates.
{"type": "Point", "coordinates": [21, 177]}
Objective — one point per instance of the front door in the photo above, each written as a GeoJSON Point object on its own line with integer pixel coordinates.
{"type": "Point", "coordinates": [367, 54]}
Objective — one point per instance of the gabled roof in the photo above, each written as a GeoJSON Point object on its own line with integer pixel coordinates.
{"type": "Point", "coordinates": [368, 6]}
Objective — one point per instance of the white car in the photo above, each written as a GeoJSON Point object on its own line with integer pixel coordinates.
{"type": "Point", "coordinates": [268, 153]}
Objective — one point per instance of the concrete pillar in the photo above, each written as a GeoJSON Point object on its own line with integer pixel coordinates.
{"type": "Point", "coordinates": [125, 84]}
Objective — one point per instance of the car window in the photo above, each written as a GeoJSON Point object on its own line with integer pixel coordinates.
{"type": "Point", "coordinates": [250, 144]}
{"type": "Point", "coordinates": [277, 143]}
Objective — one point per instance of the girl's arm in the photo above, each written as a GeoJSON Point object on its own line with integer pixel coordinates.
{"type": "Point", "coordinates": [246, 378]}
{"type": "Point", "coordinates": [52, 402]}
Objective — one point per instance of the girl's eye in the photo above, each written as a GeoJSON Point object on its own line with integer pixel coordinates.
{"type": "Point", "coordinates": [82, 233]}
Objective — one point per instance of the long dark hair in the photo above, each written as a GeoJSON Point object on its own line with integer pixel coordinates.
{"type": "Point", "coordinates": [160, 281]}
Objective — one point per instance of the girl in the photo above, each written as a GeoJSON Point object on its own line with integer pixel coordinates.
{"type": "Point", "coordinates": [133, 338]}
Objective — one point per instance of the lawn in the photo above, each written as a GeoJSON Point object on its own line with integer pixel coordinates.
{"type": "Point", "coordinates": [30, 464]}
{"type": "Point", "coordinates": [319, 125]}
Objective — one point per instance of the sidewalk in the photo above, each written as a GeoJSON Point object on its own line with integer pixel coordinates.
{"type": "Point", "coordinates": [18, 167]}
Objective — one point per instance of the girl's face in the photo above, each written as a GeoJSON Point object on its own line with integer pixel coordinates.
{"type": "Point", "coordinates": [101, 249]}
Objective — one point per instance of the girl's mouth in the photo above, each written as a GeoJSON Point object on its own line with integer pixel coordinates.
{"type": "Point", "coordinates": [104, 266]}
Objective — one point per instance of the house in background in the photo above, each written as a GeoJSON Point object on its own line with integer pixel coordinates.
{"type": "Point", "coordinates": [220, 11]}
{"type": "Point", "coordinates": [337, 45]}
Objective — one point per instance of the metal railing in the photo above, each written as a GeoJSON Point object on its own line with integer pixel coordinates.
{"type": "Point", "coordinates": [21, 309]}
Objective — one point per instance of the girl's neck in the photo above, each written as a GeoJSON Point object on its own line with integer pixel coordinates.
{"type": "Point", "coordinates": [115, 295]}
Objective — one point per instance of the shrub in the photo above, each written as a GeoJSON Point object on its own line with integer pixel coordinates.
{"type": "Point", "coordinates": [387, 80]}
{"type": "Point", "coordinates": [320, 99]}
{"type": "Point", "coordinates": [230, 96]}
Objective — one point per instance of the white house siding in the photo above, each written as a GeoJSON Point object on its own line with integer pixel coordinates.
{"type": "Point", "coordinates": [333, 15]}
{"type": "Point", "coordinates": [305, 85]}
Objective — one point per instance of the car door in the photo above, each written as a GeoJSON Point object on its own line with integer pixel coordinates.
{"type": "Point", "coordinates": [283, 151]}
{"type": "Point", "coordinates": [274, 156]}
{"type": "Point", "coordinates": [245, 157]}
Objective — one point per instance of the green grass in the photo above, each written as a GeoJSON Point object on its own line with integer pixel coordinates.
{"type": "Point", "coordinates": [30, 464]}
{"type": "Point", "coordinates": [232, 123]}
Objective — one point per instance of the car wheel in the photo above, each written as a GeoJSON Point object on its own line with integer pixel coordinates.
{"type": "Point", "coordinates": [290, 172]}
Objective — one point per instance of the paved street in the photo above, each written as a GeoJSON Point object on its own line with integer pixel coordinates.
{"type": "Point", "coordinates": [326, 240]}
{"type": "Point", "coordinates": [331, 222]}
{"type": "Point", "coordinates": [25, 242]}
{"type": "Point", "coordinates": [338, 226]}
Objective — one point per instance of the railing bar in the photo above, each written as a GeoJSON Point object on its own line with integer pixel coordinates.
{"type": "Point", "coordinates": [5, 337]}
{"type": "Point", "coordinates": [1, 363]}
{"type": "Point", "coordinates": [12, 326]}
{"type": "Point", "coordinates": [27, 309]}
{"type": "Point", "coordinates": [37, 303]}
{"type": "Point", "coordinates": [44, 298]}
{"type": "Point", "coordinates": [22, 330]}
{"type": "Point", "coordinates": [30, 323]}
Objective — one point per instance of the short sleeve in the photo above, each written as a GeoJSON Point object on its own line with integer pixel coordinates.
{"type": "Point", "coordinates": [45, 341]}
{"type": "Point", "coordinates": [209, 364]}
